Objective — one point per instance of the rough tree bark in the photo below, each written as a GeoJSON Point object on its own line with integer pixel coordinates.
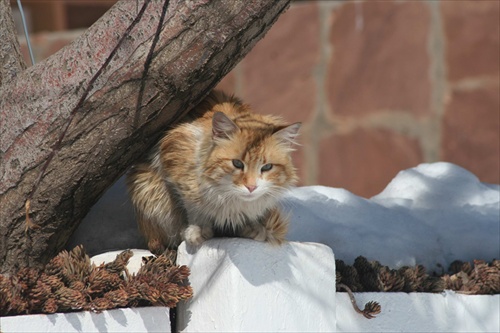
{"type": "Point", "coordinates": [200, 42]}
{"type": "Point", "coordinates": [11, 61]}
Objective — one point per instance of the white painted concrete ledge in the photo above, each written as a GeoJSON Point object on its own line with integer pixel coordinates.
{"type": "Point", "coordinates": [243, 285]}
{"type": "Point", "coordinates": [421, 312]}
{"type": "Point", "coordinates": [150, 319]}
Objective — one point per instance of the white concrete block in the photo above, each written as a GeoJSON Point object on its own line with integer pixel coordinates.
{"type": "Point", "coordinates": [150, 319]}
{"type": "Point", "coordinates": [244, 285]}
{"type": "Point", "coordinates": [421, 312]}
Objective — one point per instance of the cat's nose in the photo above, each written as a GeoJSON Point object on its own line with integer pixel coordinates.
{"type": "Point", "coordinates": [251, 188]}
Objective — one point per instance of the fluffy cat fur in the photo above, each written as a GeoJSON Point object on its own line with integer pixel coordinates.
{"type": "Point", "coordinates": [221, 170]}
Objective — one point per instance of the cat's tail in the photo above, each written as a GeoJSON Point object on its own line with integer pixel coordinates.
{"type": "Point", "coordinates": [276, 227]}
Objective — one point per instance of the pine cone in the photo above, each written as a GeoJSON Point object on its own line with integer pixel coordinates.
{"type": "Point", "coordinates": [367, 274]}
{"type": "Point", "coordinates": [409, 275]}
{"type": "Point", "coordinates": [420, 276]}
{"type": "Point", "coordinates": [39, 295]}
{"type": "Point", "coordinates": [157, 265]}
{"type": "Point", "coordinates": [118, 298]}
{"type": "Point", "coordinates": [70, 282]}
{"type": "Point", "coordinates": [452, 282]}
{"type": "Point", "coordinates": [100, 304]}
{"type": "Point", "coordinates": [390, 280]}
{"type": "Point", "coordinates": [185, 292]}
{"type": "Point", "coordinates": [50, 306]}
{"type": "Point", "coordinates": [12, 296]}
{"type": "Point", "coordinates": [27, 277]}
{"type": "Point", "coordinates": [77, 265]}
{"type": "Point", "coordinates": [178, 274]}
{"type": "Point", "coordinates": [424, 282]}
{"type": "Point", "coordinates": [54, 281]}
{"type": "Point", "coordinates": [78, 285]}
{"type": "Point", "coordinates": [120, 263]}
{"type": "Point", "coordinates": [433, 284]}
{"type": "Point", "coordinates": [338, 277]}
{"type": "Point", "coordinates": [178, 293]}
{"type": "Point", "coordinates": [5, 295]}
{"type": "Point", "coordinates": [371, 309]}
{"type": "Point", "coordinates": [69, 299]}
{"type": "Point", "coordinates": [55, 266]}
{"type": "Point", "coordinates": [101, 281]}
{"type": "Point", "coordinates": [349, 276]}
{"type": "Point", "coordinates": [149, 293]}
{"type": "Point", "coordinates": [455, 267]}
{"type": "Point", "coordinates": [484, 279]}
{"type": "Point", "coordinates": [132, 292]}
{"type": "Point", "coordinates": [18, 305]}
{"type": "Point", "coordinates": [466, 267]}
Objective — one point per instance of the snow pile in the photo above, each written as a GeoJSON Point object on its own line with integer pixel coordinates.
{"type": "Point", "coordinates": [431, 214]}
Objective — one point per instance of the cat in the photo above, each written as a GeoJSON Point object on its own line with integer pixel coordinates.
{"type": "Point", "coordinates": [221, 170]}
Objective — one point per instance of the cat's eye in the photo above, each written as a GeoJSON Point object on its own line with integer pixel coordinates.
{"type": "Point", "coordinates": [266, 167]}
{"type": "Point", "coordinates": [238, 164]}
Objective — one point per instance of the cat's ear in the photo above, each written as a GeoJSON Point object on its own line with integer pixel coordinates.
{"type": "Point", "coordinates": [222, 126]}
{"type": "Point", "coordinates": [288, 133]}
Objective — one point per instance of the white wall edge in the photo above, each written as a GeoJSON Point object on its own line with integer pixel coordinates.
{"type": "Point", "coordinates": [145, 319]}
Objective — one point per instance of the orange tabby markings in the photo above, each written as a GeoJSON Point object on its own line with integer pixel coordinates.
{"type": "Point", "coordinates": [223, 168]}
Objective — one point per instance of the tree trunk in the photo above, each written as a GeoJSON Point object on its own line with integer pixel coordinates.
{"type": "Point", "coordinates": [200, 42]}
{"type": "Point", "coordinates": [11, 61]}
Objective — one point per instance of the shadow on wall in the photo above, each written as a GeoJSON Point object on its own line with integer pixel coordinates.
{"type": "Point", "coordinates": [110, 224]}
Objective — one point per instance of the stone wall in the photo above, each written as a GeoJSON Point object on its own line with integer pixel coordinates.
{"type": "Point", "coordinates": [380, 86]}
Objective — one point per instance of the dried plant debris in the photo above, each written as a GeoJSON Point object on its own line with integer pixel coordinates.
{"type": "Point", "coordinates": [365, 276]}
{"type": "Point", "coordinates": [481, 278]}
{"type": "Point", "coordinates": [463, 277]}
{"type": "Point", "coordinates": [69, 282]}
{"type": "Point", "coordinates": [371, 309]}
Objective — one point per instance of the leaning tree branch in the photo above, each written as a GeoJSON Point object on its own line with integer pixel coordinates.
{"type": "Point", "coordinates": [199, 43]}
{"type": "Point", "coordinates": [149, 57]}
{"type": "Point", "coordinates": [83, 98]}
{"type": "Point", "coordinates": [11, 60]}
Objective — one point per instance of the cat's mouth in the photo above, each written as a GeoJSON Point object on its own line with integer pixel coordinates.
{"type": "Point", "coordinates": [250, 196]}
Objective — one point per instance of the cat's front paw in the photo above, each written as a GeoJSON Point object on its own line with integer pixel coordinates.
{"type": "Point", "coordinates": [195, 235]}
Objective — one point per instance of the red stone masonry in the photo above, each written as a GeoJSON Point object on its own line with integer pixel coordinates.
{"type": "Point", "coordinates": [471, 121]}
{"type": "Point", "coordinates": [380, 86]}
{"type": "Point", "coordinates": [380, 60]}
{"type": "Point", "coordinates": [365, 160]}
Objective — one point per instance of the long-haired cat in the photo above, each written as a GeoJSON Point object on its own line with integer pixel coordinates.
{"type": "Point", "coordinates": [221, 170]}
